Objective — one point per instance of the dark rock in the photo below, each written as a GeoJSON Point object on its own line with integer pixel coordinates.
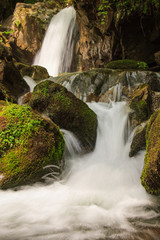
{"type": "Point", "coordinates": [157, 57]}
{"type": "Point", "coordinates": [12, 80]}
{"type": "Point", "coordinates": [139, 141]}
{"type": "Point", "coordinates": [28, 143]}
{"type": "Point", "coordinates": [66, 111]}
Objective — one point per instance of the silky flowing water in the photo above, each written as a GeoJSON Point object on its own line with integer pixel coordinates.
{"type": "Point", "coordinates": [56, 53]}
{"type": "Point", "coordinates": [99, 197]}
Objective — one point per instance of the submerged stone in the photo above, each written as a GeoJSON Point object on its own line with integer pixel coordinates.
{"type": "Point", "coordinates": [66, 111]}
{"type": "Point", "coordinates": [28, 143]}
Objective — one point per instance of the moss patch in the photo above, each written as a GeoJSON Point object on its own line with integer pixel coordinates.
{"type": "Point", "coordinates": [27, 144]}
{"type": "Point", "coordinates": [127, 64]}
{"type": "Point", "coordinates": [151, 173]}
{"type": "Point", "coordinates": [66, 111]}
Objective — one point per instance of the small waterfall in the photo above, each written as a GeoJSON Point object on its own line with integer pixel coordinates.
{"type": "Point", "coordinates": [56, 53]}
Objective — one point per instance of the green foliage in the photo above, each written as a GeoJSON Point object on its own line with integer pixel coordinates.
{"type": "Point", "coordinates": [127, 7]}
{"type": "Point", "coordinates": [20, 124]}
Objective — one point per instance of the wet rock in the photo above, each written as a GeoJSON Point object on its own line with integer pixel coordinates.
{"type": "Point", "coordinates": [28, 143]}
{"type": "Point", "coordinates": [150, 177]}
{"type": "Point", "coordinates": [99, 84]}
{"type": "Point", "coordinates": [66, 111]}
{"type": "Point", "coordinates": [139, 141]}
{"type": "Point", "coordinates": [37, 73]}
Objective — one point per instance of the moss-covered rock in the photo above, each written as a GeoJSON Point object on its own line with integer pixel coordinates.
{"type": "Point", "coordinates": [150, 177]}
{"type": "Point", "coordinates": [37, 73]}
{"type": "Point", "coordinates": [139, 140]}
{"type": "Point", "coordinates": [27, 144]}
{"type": "Point", "coordinates": [127, 64]}
{"type": "Point", "coordinates": [66, 111]}
{"type": "Point", "coordinates": [141, 102]}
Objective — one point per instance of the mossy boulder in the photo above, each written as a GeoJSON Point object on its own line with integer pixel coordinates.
{"type": "Point", "coordinates": [150, 177]}
{"type": "Point", "coordinates": [37, 73]}
{"type": "Point", "coordinates": [66, 111]}
{"type": "Point", "coordinates": [139, 140]}
{"type": "Point", "coordinates": [140, 102]}
{"type": "Point", "coordinates": [27, 144]}
{"type": "Point", "coordinates": [127, 64]}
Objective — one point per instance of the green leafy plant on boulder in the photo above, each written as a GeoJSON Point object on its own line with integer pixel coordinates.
{"type": "Point", "coordinates": [127, 64]}
{"type": "Point", "coordinates": [27, 144]}
{"type": "Point", "coordinates": [150, 177]}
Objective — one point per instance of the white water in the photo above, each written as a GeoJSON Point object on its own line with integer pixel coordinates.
{"type": "Point", "coordinates": [57, 49]}
{"type": "Point", "coordinates": [100, 196]}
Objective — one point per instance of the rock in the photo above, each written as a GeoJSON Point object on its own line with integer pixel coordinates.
{"type": "Point", "coordinates": [102, 83]}
{"type": "Point", "coordinates": [140, 102]}
{"type": "Point", "coordinates": [155, 101]}
{"type": "Point", "coordinates": [12, 80]}
{"type": "Point", "coordinates": [66, 111]}
{"type": "Point", "coordinates": [30, 22]}
{"type": "Point", "coordinates": [127, 64]}
{"type": "Point", "coordinates": [138, 141]}
{"type": "Point", "coordinates": [37, 73]}
{"type": "Point", "coordinates": [26, 98]}
{"type": "Point", "coordinates": [157, 57]}
{"type": "Point", "coordinates": [28, 143]}
{"type": "Point", "coordinates": [150, 177]}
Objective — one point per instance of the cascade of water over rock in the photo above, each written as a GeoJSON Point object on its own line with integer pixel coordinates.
{"type": "Point", "coordinates": [100, 195]}
{"type": "Point", "coordinates": [56, 53]}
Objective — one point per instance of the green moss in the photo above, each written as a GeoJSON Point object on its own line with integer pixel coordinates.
{"type": "Point", "coordinates": [27, 144]}
{"type": "Point", "coordinates": [150, 177]}
{"type": "Point", "coordinates": [127, 64]}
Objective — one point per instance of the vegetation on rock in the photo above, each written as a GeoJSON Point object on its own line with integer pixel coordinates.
{"type": "Point", "coordinates": [66, 111]}
{"type": "Point", "coordinates": [127, 64]}
{"type": "Point", "coordinates": [151, 173]}
{"type": "Point", "coordinates": [27, 144]}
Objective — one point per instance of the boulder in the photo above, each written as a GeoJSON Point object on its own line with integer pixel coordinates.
{"type": "Point", "coordinates": [11, 80]}
{"type": "Point", "coordinates": [157, 57]}
{"type": "Point", "coordinates": [150, 177]}
{"type": "Point", "coordinates": [28, 143]}
{"type": "Point", "coordinates": [140, 102]}
{"type": "Point", "coordinates": [127, 64]}
{"type": "Point", "coordinates": [37, 73]}
{"type": "Point", "coordinates": [66, 111]}
{"type": "Point", "coordinates": [139, 140]}
{"type": "Point", "coordinates": [29, 24]}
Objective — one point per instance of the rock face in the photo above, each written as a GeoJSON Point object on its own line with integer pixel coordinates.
{"type": "Point", "coordinates": [100, 44]}
{"type": "Point", "coordinates": [27, 144]}
{"type": "Point", "coordinates": [66, 111]}
{"type": "Point", "coordinates": [151, 172]}
{"type": "Point", "coordinates": [30, 22]}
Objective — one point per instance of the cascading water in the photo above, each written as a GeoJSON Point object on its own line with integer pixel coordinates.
{"type": "Point", "coordinates": [56, 54]}
{"type": "Point", "coordinates": [100, 197]}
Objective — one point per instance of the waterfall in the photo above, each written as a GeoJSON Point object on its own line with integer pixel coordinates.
{"type": "Point", "coordinates": [100, 196]}
{"type": "Point", "coordinates": [56, 53]}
